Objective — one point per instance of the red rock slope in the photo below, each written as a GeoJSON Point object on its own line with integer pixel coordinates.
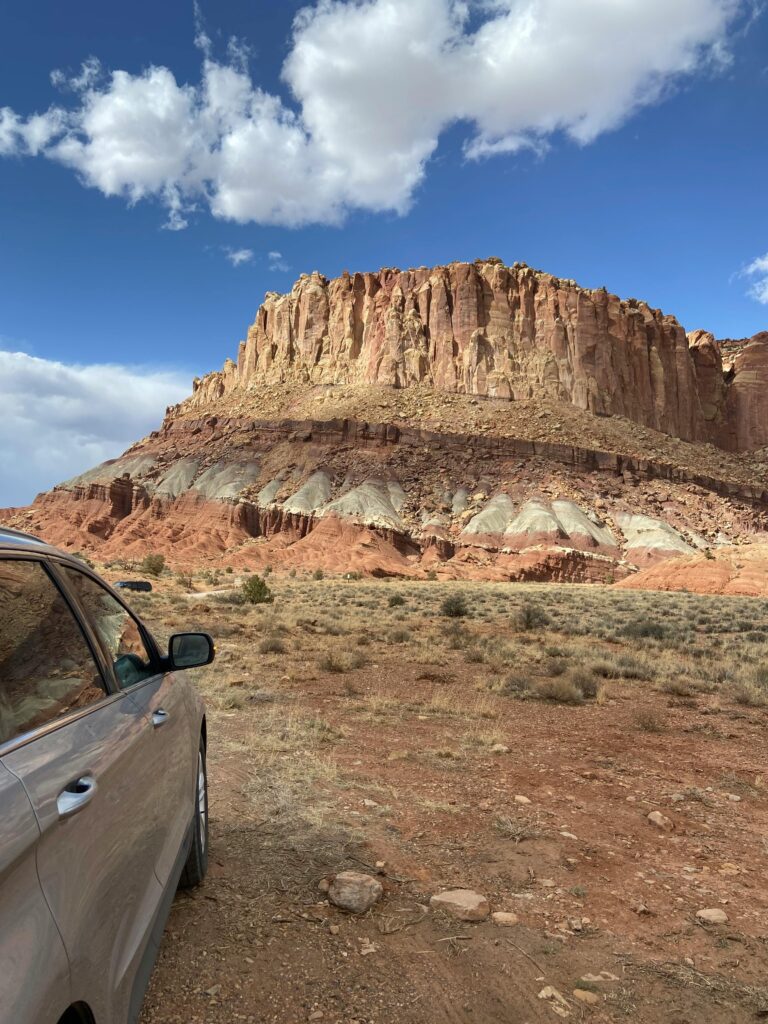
{"type": "Point", "coordinates": [730, 570]}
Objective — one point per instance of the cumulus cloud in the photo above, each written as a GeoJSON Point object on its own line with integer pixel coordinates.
{"type": "Point", "coordinates": [276, 262]}
{"type": "Point", "coordinates": [238, 256]}
{"type": "Point", "coordinates": [757, 271]}
{"type": "Point", "coordinates": [370, 87]}
{"type": "Point", "coordinates": [60, 419]}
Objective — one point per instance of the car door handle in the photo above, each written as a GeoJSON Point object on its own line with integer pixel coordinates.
{"type": "Point", "coordinates": [76, 795]}
{"type": "Point", "coordinates": [159, 717]}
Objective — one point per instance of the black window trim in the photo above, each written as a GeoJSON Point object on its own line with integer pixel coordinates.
{"type": "Point", "coordinates": [111, 691]}
{"type": "Point", "coordinates": [148, 640]}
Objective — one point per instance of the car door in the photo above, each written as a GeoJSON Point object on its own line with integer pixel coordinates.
{"type": "Point", "coordinates": [30, 945]}
{"type": "Point", "coordinates": [79, 750]}
{"type": "Point", "coordinates": [171, 757]}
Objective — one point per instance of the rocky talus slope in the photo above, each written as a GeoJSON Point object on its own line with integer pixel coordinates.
{"type": "Point", "coordinates": [473, 420]}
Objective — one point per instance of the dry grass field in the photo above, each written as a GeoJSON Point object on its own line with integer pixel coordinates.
{"type": "Point", "coordinates": [508, 739]}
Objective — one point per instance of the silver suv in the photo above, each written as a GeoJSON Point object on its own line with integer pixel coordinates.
{"type": "Point", "coordinates": [103, 793]}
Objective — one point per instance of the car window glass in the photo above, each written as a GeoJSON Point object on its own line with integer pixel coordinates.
{"type": "Point", "coordinates": [46, 666]}
{"type": "Point", "coordinates": [116, 627]}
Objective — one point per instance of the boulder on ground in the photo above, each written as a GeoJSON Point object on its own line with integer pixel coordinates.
{"type": "Point", "coordinates": [354, 891]}
{"type": "Point", "coordinates": [463, 904]}
{"type": "Point", "coordinates": [712, 916]}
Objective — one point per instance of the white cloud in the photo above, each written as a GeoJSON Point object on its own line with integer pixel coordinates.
{"type": "Point", "coordinates": [276, 262]}
{"type": "Point", "coordinates": [238, 256]}
{"type": "Point", "coordinates": [758, 272]}
{"type": "Point", "coordinates": [60, 419]}
{"type": "Point", "coordinates": [374, 84]}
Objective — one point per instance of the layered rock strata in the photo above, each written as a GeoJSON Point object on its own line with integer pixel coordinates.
{"type": "Point", "coordinates": [383, 499]}
{"type": "Point", "coordinates": [504, 332]}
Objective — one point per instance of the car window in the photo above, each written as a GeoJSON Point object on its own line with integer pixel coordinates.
{"type": "Point", "coordinates": [116, 627]}
{"type": "Point", "coordinates": [46, 666]}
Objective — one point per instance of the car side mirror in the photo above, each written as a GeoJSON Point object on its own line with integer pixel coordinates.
{"type": "Point", "coordinates": [190, 650]}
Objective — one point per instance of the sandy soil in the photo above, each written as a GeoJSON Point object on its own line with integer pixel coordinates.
{"type": "Point", "coordinates": [349, 731]}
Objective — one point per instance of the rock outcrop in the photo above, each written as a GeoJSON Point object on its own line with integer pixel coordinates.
{"type": "Point", "coordinates": [504, 332]}
{"type": "Point", "coordinates": [389, 500]}
{"type": "Point", "coordinates": [473, 421]}
{"type": "Point", "coordinates": [741, 571]}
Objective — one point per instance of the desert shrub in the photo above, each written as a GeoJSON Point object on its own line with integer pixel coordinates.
{"type": "Point", "coordinates": [396, 600]}
{"type": "Point", "coordinates": [532, 616]}
{"type": "Point", "coordinates": [272, 645]}
{"type": "Point", "coordinates": [644, 629]}
{"type": "Point", "coordinates": [649, 720]}
{"type": "Point", "coordinates": [474, 655]}
{"type": "Point", "coordinates": [431, 575]}
{"type": "Point", "coordinates": [560, 690]}
{"type": "Point", "coordinates": [256, 591]}
{"type": "Point", "coordinates": [229, 569]}
{"type": "Point", "coordinates": [267, 570]}
{"type": "Point", "coordinates": [585, 681]}
{"type": "Point", "coordinates": [234, 597]}
{"type": "Point", "coordinates": [748, 693]}
{"type": "Point", "coordinates": [152, 564]}
{"type": "Point", "coordinates": [399, 636]}
{"type": "Point", "coordinates": [184, 580]}
{"type": "Point", "coordinates": [515, 685]}
{"type": "Point", "coordinates": [677, 686]}
{"type": "Point", "coordinates": [555, 667]}
{"type": "Point", "coordinates": [318, 574]}
{"type": "Point", "coordinates": [337, 663]}
{"type": "Point", "coordinates": [455, 606]}
{"type": "Point", "coordinates": [82, 558]}
{"type": "Point", "coordinates": [555, 652]}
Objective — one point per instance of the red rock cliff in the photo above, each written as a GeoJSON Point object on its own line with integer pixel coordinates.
{"type": "Point", "coordinates": [506, 332]}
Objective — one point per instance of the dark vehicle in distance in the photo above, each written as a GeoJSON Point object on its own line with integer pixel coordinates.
{"type": "Point", "coordinates": [143, 585]}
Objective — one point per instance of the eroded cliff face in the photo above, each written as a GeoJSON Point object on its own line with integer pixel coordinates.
{"type": "Point", "coordinates": [503, 332]}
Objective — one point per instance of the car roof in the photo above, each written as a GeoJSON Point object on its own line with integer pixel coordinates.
{"type": "Point", "coordinates": [16, 540]}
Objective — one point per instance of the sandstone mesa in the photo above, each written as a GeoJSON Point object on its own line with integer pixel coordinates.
{"type": "Point", "coordinates": [473, 420]}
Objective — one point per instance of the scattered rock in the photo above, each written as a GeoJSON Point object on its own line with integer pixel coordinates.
{"type": "Point", "coordinates": [499, 748]}
{"type": "Point", "coordinates": [585, 996]}
{"type": "Point", "coordinates": [354, 891]}
{"type": "Point", "coordinates": [712, 915]}
{"type": "Point", "coordinates": [555, 1000]}
{"type": "Point", "coordinates": [523, 800]}
{"type": "Point", "coordinates": [504, 919]}
{"type": "Point", "coordinates": [661, 821]}
{"type": "Point", "coordinates": [463, 904]}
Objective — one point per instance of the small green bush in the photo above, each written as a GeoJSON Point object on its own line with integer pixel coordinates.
{"type": "Point", "coordinates": [256, 591]}
{"type": "Point", "coordinates": [455, 606]}
{"type": "Point", "coordinates": [318, 574]}
{"type": "Point", "coordinates": [644, 629]}
{"type": "Point", "coordinates": [531, 616]}
{"type": "Point", "coordinates": [396, 600]}
{"type": "Point", "coordinates": [153, 565]}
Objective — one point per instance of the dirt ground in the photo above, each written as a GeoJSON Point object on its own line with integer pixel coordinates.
{"type": "Point", "coordinates": [356, 725]}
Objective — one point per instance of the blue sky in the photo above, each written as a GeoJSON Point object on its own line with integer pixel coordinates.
{"type": "Point", "coordinates": [598, 159]}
